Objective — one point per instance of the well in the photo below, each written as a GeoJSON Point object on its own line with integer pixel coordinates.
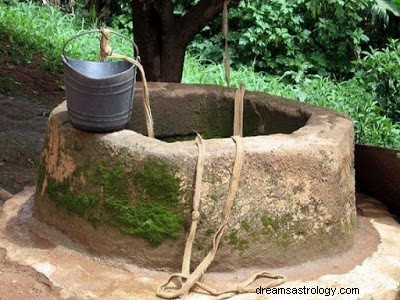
{"type": "Point", "coordinates": [124, 194]}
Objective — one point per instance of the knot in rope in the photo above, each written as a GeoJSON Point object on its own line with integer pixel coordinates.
{"type": "Point", "coordinates": [105, 48]}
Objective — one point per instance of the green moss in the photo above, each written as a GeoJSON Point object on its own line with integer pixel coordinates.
{"type": "Point", "coordinates": [41, 174]}
{"type": "Point", "coordinates": [112, 181]}
{"type": "Point", "coordinates": [270, 224]}
{"type": "Point", "coordinates": [236, 241]}
{"type": "Point", "coordinates": [283, 229]}
{"type": "Point", "coordinates": [156, 181]}
{"type": "Point", "coordinates": [143, 203]}
{"type": "Point", "coordinates": [214, 197]}
{"type": "Point", "coordinates": [209, 232]}
{"type": "Point", "coordinates": [245, 225]}
{"type": "Point", "coordinates": [349, 227]}
{"type": "Point", "coordinates": [154, 215]}
{"type": "Point", "coordinates": [153, 221]}
{"type": "Point", "coordinates": [60, 193]}
{"type": "Point", "coordinates": [285, 239]}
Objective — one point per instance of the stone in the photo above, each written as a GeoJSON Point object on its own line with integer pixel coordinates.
{"type": "Point", "coordinates": [125, 194]}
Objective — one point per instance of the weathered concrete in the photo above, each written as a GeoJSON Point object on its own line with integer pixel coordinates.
{"type": "Point", "coordinates": [125, 194]}
{"type": "Point", "coordinates": [372, 265]}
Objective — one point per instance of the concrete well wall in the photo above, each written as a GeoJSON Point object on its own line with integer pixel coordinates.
{"type": "Point", "coordinates": [127, 195]}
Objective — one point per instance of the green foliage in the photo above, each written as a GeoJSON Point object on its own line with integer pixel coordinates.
{"type": "Point", "coordinates": [124, 19]}
{"type": "Point", "coordinates": [296, 37]}
{"type": "Point", "coordinates": [379, 71]}
{"type": "Point", "coordinates": [382, 7]}
{"type": "Point", "coordinates": [35, 30]}
{"type": "Point", "coordinates": [371, 125]}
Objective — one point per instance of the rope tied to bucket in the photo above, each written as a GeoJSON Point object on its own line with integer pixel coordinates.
{"type": "Point", "coordinates": [181, 284]}
{"type": "Point", "coordinates": [107, 51]}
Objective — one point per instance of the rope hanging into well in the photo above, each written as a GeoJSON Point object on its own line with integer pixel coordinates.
{"type": "Point", "coordinates": [181, 284]}
{"type": "Point", "coordinates": [106, 51]}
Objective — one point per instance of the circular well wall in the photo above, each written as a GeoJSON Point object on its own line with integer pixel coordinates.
{"type": "Point", "coordinates": [127, 195]}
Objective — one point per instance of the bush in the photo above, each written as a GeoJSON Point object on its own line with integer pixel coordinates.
{"type": "Point", "coordinates": [371, 125]}
{"type": "Point", "coordinates": [379, 71]}
{"type": "Point", "coordinates": [299, 37]}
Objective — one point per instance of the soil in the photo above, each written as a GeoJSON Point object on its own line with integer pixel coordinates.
{"type": "Point", "coordinates": [27, 94]}
{"type": "Point", "coordinates": [22, 282]}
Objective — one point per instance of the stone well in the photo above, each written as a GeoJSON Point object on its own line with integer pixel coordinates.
{"type": "Point", "coordinates": [126, 195]}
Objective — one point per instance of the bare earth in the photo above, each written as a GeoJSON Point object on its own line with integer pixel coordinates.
{"type": "Point", "coordinates": [27, 95]}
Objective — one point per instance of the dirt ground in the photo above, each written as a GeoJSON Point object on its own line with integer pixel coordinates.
{"type": "Point", "coordinates": [27, 95]}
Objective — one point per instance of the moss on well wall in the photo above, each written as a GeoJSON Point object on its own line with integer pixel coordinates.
{"type": "Point", "coordinates": [142, 202]}
{"type": "Point", "coordinates": [75, 203]}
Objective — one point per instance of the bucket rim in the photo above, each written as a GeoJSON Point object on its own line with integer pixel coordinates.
{"type": "Point", "coordinates": [67, 60]}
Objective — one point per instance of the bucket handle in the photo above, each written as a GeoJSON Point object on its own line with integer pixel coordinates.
{"type": "Point", "coordinates": [95, 31]}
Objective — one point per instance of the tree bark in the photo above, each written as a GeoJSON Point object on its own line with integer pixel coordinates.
{"type": "Point", "coordinates": [162, 37]}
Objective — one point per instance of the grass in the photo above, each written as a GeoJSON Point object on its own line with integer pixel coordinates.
{"type": "Point", "coordinates": [41, 30]}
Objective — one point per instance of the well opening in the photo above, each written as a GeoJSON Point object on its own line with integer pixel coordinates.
{"type": "Point", "coordinates": [213, 118]}
{"type": "Point", "coordinates": [128, 195]}
{"type": "Point", "coordinates": [211, 115]}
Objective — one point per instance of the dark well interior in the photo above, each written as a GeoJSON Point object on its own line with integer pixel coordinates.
{"type": "Point", "coordinates": [178, 115]}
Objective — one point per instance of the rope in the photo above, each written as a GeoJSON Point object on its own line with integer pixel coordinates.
{"type": "Point", "coordinates": [181, 284]}
{"type": "Point", "coordinates": [238, 117]}
{"type": "Point", "coordinates": [184, 283]}
{"type": "Point", "coordinates": [196, 205]}
{"type": "Point", "coordinates": [225, 32]}
{"type": "Point", "coordinates": [106, 51]}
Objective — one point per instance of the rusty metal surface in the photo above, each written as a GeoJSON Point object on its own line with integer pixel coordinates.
{"type": "Point", "coordinates": [378, 174]}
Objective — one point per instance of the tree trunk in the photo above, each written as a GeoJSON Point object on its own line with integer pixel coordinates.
{"type": "Point", "coordinates": [162, 37]}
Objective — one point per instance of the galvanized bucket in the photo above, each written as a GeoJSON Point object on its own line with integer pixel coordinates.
{"type": "Point", "coordinates": [99, 94]}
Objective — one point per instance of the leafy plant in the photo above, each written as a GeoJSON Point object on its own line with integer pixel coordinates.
{"type": "Point", "coordinates": [295, 38]}
{"type": "Point", "coordinates": [379, 71]}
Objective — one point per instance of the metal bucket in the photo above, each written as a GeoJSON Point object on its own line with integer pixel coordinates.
{"type": "Point", "coordinates": [99, 94]}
